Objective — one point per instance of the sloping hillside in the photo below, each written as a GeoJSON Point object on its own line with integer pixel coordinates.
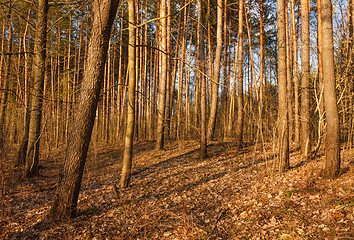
{"type": "Point", "coordinates": [175, 195]}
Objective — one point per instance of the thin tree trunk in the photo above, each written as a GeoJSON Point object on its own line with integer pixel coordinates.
{"type": "Point", "coordinates": [283, 133]}
{"type": "Point", "coordinates": [32, 156]}
{"type": "Point", "coordinates": [239, 123]}
{"type": "Point", "coordinates": [332, 165]}
{"type": "Point", "coordinates": [289, 77]}
{"type": "Point", "coordinates": [305, 78]}
{"type": "Point", "coordinates": [261, 63]}
{"type": "Point", "coordinates": [216, 78]}
{"type": "Point", "coordinates": [320, 104]}
{"type": "Point", "coordinates": [203, 137]}
{"type": "Point", "coordinates": [21, 155]}
{"type": "Point", "coordinates": [65, 202]}
{"type": "Point", "coordinates": [163, 77]}
{"type": "Point", "coordinates": [129, 134]}
{"type": "Point", "coordinates": [294, 40]}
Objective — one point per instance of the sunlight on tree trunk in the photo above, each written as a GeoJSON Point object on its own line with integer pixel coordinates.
{"type": "Point", "coordinates": [65, 202]}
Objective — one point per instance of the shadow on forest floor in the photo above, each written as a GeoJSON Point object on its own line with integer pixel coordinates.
{"type": "Point", "coordinates": [174, 195]}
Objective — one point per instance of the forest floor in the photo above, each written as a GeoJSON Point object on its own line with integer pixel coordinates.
{"type": "Point", "coordinates": [234, 194]}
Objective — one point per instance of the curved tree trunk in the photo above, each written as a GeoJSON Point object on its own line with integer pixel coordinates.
{"type": "Point", "coordinates": [332, 165]}
{"type": "Point", "coordinates": [32, 155]}
{"type": "Point", "coordinates": [67, 193]}
{"type": "Point", "coordinates": [283, 133]}
{"type": "Point", "coordinates": [129, 134]}
{"type": "Point", "coordinates": [215, 83]}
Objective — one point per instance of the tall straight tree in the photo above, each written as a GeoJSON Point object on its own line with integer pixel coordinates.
{"type": "Point", "coordinates": [215, 82]}
{"type": "Point", "coordinates": [294, 45]}
{"type": "Point", "coordinates": [31, 162]}
{"type": "Point", "coordinates": [320, 104]}
{"type": "Point", "coordinates": [305, 78]}
{"type": "Point", "coordinates": [239, 126]}
{"type": "Point", "coordinates": [261, 64]}
{"type": "Point", "coordinates": [283, 132]}
{"type": "Point", "coordinates": [163, 77]}
{"type": "Point", "coordinates": [332, 165]}
{"type": "Point", "coordinates": [65, 202]}
{"type": "Point", "coordinates": [203, 137]}
{"type": "Point", "coordinates": [129, 134]}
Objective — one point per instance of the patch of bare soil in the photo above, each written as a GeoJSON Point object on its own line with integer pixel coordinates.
{"type": "Point", "coordinates": [175, 195]}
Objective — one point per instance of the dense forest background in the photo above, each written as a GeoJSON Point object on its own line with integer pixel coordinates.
{"type": "Point", "coordinates": [69, 25]}
{"type": "Point", "coordinates": [260, 74]}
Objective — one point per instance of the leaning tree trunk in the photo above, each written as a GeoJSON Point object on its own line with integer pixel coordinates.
{"type": "Point", "coordinates": [32, 155]}
{"type": "Point", "coordinates": [65, 202]}
{"type": "Point", "coordinates": [129, 134]}
{"type": "Point", "coordinates": [332, 165]}
{"type": "Point", "coordinates": [283, 133]}
{"type": "Point", "coordinates": [215, 83]}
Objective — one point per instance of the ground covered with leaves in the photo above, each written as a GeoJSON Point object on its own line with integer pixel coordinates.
{"type": "Point", "coordinates": [233, 194]}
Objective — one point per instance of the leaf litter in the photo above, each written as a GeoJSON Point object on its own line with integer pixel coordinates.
{"type": "Point", "coordinates": [233, 194]}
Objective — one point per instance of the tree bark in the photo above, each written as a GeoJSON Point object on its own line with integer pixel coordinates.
{"type": "Point", "coordinates": [294, 40]}
{"type": "Point", "coordinates": [203, 136]}
{"type": "Point", "coordinates": [65, 202]}
{"type": "Point", "coordinates": [215, 83]}
{"type": "Point", "coordinates": [305, 78]}
{"type": "Point", "coordinates": [283, 132]}
{"type": "Point", "coordinates": [332, 165]}
{"type": "Point", "coordinates": [32, 155]}
{"type": "Point", "coordinates": [21, 154]}
{"type": "Point", "coordinates": [129, 134]}
{"type": "Point", "coordinates": [261, 64]}
{"type": "Point", "coordinates": [163, 77]}
{"type": "Point", "coordinates": [239, 124]}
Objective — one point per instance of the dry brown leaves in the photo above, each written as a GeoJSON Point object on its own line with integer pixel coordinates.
{"type": "Point", "coordinates": [175, 195]}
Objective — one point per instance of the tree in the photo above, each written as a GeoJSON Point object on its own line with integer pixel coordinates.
{"type": "Point", "coordinates": [163, 77]}
{"type": "Point", "coordinates": [283, 132]}
{"type": "Point", "coordinates": [295, 50]}
{"type": "Point", "coordinates": [261, 65]}
{"type": "Point", "coordinates": [127, 158]}
{"type": "Point", "coordinates": [332, 165]}
{"type": "Point", "coordinates": [239, 126]}
{"type": "Point", "coordinates": [67, 193]}
{"type": "Point", "coordinates": [216, 72]}
{"type": "Point", "coordinates": [203, 136]}
{"type": "Point", "coordinates": [32, 155]}
{"type": "Point", "coordinates": [305, 78]}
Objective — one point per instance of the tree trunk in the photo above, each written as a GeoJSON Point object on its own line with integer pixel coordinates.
{"type": "Point", "coordinates": [294, 40]}
{"type": "Point", "coordinates": [261, 62]}
{"type": "Point", "coordinates": [305, 78]}
{"type": "Point", "coordinates": [65, 202]}
{"type": "Point", "coordinates": [332, 165]}
{"type": "Point", "coordinates": [215, 83]}
{"type": "Point", "coordinates": [289, 76]}
{"type": "Point", "coordinates": [203, 137]}
{"type": "Point", "coordinates": [32, 156]}
{"type": "Point", "coordinates": [129, 134]}
{"type": "Point", "coordinates": [283, 133]}
{"type": "Point", "coordinates": [239, 124]}
{"type": "Point", "coordinates": [21, 155]}
{"type": "Point", "coordinates": [320, 104]}
{"type": "Point", "coordinates": [163, 78]}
